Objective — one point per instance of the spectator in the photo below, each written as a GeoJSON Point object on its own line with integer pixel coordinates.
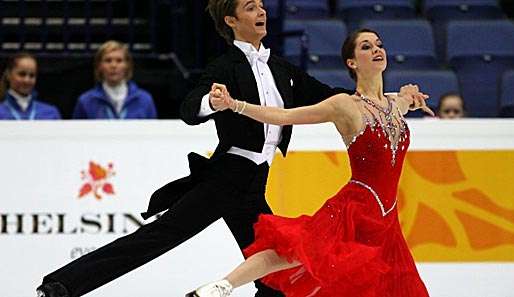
{"type": "Point", "coordinates": [451, 106]}
{"type": "Point", "coordinates": [115, 96]}
{"type": "Point", "coordinates": [20, 100]}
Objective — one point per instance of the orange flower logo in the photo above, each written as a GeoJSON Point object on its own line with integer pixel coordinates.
{"type": "Point", "coordinates": [97, 180]}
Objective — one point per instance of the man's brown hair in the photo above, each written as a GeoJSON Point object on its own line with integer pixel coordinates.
{"type": "Point", "coordinates": [219, 9]}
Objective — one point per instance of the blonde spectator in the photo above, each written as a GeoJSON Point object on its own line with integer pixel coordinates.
{"type": "Point", "coordinates": [115, 95]}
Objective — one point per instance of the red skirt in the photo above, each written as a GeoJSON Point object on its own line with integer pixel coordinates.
{"type": "Point", "coordinates": [347, 248]}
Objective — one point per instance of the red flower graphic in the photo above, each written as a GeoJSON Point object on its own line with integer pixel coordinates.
{"type": "Point", "coordinates": [96, 179]}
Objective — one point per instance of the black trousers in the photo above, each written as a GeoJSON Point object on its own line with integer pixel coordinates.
{"type": "Point", "coordinates": [231, 187]}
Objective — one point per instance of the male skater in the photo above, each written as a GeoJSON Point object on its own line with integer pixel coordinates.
{"type": "Point", "coordinates": [231, 184]}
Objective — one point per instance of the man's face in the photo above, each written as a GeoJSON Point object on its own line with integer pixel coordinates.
{"type": "Point", "coordinates": [250, 21]}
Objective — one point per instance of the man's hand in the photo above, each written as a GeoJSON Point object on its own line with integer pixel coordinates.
{"type": "Point", "coordinates": [415, 99]}
{"type": "Point", "coordinates": [221, 99]}
{"type": "Point", "coordinates": [217, 97]}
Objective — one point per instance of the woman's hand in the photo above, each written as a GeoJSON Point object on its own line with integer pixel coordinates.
{"type": "Point", "coordinates": [414, 99]}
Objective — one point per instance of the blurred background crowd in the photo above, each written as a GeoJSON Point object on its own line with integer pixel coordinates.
{"type": "Point", "coordinates": [127, 59]}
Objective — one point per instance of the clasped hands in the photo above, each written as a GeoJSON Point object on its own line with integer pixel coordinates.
{"type": "Point", "coordinates": [220, 98]}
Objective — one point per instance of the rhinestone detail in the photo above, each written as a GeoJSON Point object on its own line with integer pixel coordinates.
{"type": "Point", "coordinates": [370, 189]}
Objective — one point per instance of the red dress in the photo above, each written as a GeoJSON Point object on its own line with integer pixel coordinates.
{"type": "Point", "coordinates": [353, 246]}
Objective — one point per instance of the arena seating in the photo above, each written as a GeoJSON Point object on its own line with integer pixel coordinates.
{"type": "Point", "coordinates": [432, 82]}
{"type": "Point", "coordinates": [355, 11]}
{"type": "Point", "coordinates": [440, 12]}
{"type": "Point", "coordinates": [470, 41]}
{"type": "Point", "coordinates": [479, 52]}
{"type": "Point", "coordinates": [334, 77]}
{"type": "Point", "coordinates": [324, 42]}
{"type": "Point", "coordinates": [409, 43]}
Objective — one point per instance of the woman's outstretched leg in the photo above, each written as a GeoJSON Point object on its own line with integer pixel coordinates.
{"type": "Point", "coordinates": [255, 267]}
{"type": "Point", "coordinates": [258, 266]}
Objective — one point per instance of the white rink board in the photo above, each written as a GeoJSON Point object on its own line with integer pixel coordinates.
{"type": "Point", "coordinates": [147, 154]}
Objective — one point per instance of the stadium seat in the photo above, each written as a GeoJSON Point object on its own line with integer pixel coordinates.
{"type": "Point", "coordinates": [480, 51]}
{"type": "Point", "coordinates": [301, 9]}
{"type": "Point", "coordinates": [325, 40]}
{"type": "Point", "coordinates": [298, 9]}
{"type": "Point", "coordinates": [440, 12]}
{"type": "Point", "coordinates": [72, 26]}
{"type": "Point", "coordinates": [434, 83]}
{"type": "Point", "coordinates": [409, 43]}
{"type": "Point", "coordinates": [461, 9]}
{"type": "Point", "coordinates": [356, 11]}
{"type": "Point", "coordinates": [334, 77]}
{"type": "Point", "coordinates": [507, 93]}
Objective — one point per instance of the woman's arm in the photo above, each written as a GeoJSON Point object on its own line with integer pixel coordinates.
{"type": "Point", "coordinates": [322, 112]}
{"type": "Point", "coordinates": [313, 114]}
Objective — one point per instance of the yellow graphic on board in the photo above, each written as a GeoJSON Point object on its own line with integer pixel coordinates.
{"type": "Point", "coordinates": [454, 205]}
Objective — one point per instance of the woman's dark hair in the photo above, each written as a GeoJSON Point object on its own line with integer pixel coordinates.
{"type": "Point", "coordinates": [11, 63]}
{"type": "Point", "coordinates": [450, 94]}
{"type": "Point", "coordinates": [219, 9]}
{"type": "Point", "coordinates": [348, 49]}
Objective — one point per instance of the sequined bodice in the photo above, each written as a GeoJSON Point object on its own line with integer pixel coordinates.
{"type": "Point", "coordinates": [377, 152]}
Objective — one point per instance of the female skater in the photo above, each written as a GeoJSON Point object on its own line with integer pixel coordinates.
{"type": "Point", "coordinates": [353, 245]}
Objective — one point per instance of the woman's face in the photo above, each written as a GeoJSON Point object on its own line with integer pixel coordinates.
{"type": "Point", "coordinates": [113, 67]}
{"type": "Point", "coordinates": [250, 21]}
{"type": "Point", "coordinates": [22, 78]}
{"type": "Point", "coordinates": [370, 56]}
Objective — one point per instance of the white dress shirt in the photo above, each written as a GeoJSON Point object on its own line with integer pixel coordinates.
{"type": "Point", "coordinates": [268, 95]}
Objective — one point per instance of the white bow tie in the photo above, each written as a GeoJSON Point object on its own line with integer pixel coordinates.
{"type": "Point", "coordinates": [262, 56]}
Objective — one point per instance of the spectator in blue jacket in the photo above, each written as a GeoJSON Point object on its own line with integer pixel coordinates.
{"type": "Point", "coordinates": [20, 100]}
{"type": "Point", "coordinates": [115, 96]}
